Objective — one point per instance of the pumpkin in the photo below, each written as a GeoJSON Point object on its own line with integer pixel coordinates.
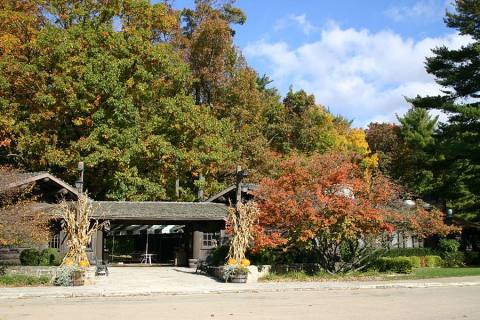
{"type": "Point", "coordinates": [231, 262]}
{"type": "Point", "coordinates": [84, 263]}
{"type": "Point", "coordinates": [245, 263]}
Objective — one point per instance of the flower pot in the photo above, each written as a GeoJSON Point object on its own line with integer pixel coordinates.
{"type": "Point", "coordinates": [238, 278]}
{"type": "Point", "coordinates": [78, 278]}
{"type": "Point", "coordinates": [192, 263]}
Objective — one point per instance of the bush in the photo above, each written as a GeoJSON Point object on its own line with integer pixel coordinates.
{"type": "Point", "coordinates": [30, 257]}
{"type": "Point", "coordinates": [219, 255]}
{"type": "Point", "coordinates": [264, 257]}
{"type": "Point", "coordinates": [394, 264]}
{"type": "Point", "coordinates": [450, 254]}
{"type": "Point", "coordinates": [50, 257]}
{"type": "Point", "coordinates": [448, 246]}
{"type": "Point", "coordinates": [416, 261]}
{"type": "Point", "coordinates": [453, 259]}
{"type": "Point", "coordinates": [472, 258]}
{"type": "Point", "coordinates": [408, 252]}
{"type": "Point", "coordinates": [64, 276]}
{"type": "Point", "coordinates": [433, 261]}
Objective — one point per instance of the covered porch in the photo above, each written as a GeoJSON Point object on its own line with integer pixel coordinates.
{"type": "Point", "coordinates": [158, 233]}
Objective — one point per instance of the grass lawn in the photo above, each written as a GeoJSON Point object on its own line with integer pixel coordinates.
{"type": "Point", "coordinates": [23, 281]}
{"type": "Point", "coordinates": [418, 273]}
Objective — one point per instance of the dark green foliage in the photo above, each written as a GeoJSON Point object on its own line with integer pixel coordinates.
{"type": "Point", "coordinates": [3, 270]}
{"type": "Point", "coordinates": [456, 159]}
{"type": "Point", "coordinates": [472, 258]}
{"type": "Point", "coordinates": [30, 257]}
{"type": "Point", "coordinates": [417, 129]}
{"type": "Point", "coordinates": [219, 255]}
{"type": "Point", "coordinates": [396, 264]}
{"type": "Point", "coordinates": [50, 257]}
{"type": "Point", "coordinates": [407, 252]}
{"type": "Point", "coordinates": [264, 257]}
{"type": "Point", "coordinates": [449, 252]}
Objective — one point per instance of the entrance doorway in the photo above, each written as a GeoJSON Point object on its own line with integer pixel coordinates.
{"type": "Point", "coordinates": [149, 244]}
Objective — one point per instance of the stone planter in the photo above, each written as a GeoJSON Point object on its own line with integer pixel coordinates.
{"type": "Point", "coordinates": [192, 263]}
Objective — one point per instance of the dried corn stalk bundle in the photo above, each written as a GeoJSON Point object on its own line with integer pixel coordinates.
{"type": "Point", "coordinates": [242, 220]}
{"type": "Point", "coordinates": [79, 228]}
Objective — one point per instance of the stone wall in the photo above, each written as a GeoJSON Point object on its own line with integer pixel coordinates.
{"type": "Point", "coordinates": [37, 271]}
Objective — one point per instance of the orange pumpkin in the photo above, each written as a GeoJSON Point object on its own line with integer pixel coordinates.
{"type": "Point", "coordinates": [245, 263]}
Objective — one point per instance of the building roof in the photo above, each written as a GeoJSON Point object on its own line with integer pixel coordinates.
{"type": "Point", "coordinates": [164, 211]}
{"type": "Point", "coordinates": [246, 188]}
{"type": "Point", "coordinates": [16, 179]}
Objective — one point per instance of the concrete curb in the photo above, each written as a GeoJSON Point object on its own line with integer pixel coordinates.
{"type": "Point", "coordinates": [313, 286]}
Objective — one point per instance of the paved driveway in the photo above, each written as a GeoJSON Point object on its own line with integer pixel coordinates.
{"type": "Point", "coordinates": [156, 278]}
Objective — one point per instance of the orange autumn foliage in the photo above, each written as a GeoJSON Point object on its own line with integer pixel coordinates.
{"type": "Point", "coordinates": [328, 195]}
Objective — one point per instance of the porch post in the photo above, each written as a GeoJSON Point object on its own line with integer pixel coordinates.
{"type": "Point", "coordinates": [99, 246]}
{"type": "Point", "coordinates": [197, 242]}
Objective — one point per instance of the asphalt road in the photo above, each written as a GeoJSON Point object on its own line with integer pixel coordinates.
{"type": "Point", "coordinates": [391, 304]}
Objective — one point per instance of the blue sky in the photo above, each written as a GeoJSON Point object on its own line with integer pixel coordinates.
{"type": "Point", "coordinates": [359, 58]}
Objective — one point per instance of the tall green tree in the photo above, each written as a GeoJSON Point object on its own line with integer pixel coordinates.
{"type": "Point", "coordinates": [102, 84]}
{"type": "Point", "coordinates": [414, 166]}
{"type": "Point", "coordinates": [458, 72]}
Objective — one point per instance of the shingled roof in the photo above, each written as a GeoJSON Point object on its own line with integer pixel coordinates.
{"type": "Point", "coordinates": [166, 211]}
{"type": "Point", "coordinates": [17, 178]}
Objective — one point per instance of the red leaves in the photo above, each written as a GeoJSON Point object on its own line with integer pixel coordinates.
{"type": "Point", "coordinates": [331, 193]}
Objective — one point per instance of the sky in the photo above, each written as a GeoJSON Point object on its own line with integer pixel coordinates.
{"type": "Point", "coordinates": [359, 58]}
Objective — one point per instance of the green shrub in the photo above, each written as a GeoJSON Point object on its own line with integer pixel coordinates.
{"type": "Point", "coordinates": [264, 257]}
{"type": "Point", "coordinates": [416, 261]}
{"type": "Point", "coordinates": [450, 254]}
{"type": "Point", "coordinates": [394, 264]}
{"type": "Point", "coordinates": [448, 245]}
{"type": "Point", "coordinates": [433, 261]}
{"type": "Point", "coordinates": [453, 259]}
{"type": "Point", "coordinates": [408, 252]}
{"type": "Point", "coordinates": [472, 258]}
{"type": "Point", "coordinates": [50, 257]}
{"type": "Point", "coordinates": [219, 255]}
{"type": "Point", "coordinates": [30, 257]}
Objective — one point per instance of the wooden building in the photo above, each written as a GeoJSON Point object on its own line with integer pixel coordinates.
{"type": "Point", "coordinates": [168, 232]}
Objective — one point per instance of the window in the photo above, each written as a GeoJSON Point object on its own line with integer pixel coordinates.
{"type": "Point", "coordinates": [210, 239]}
{"type": "Point", "coordinates": [54, 241]}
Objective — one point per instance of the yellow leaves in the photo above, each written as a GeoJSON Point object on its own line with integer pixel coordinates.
{"type": "Point", "coordinates": [370, 161]}
{"type": "Point", "coordinates": [357, 142]}
{"type": "Point", "coordinates": [130, 83]}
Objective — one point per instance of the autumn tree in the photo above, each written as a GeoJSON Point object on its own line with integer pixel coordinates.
{"type": "Point", "coordinates": [22, 221]}
{"type": "Point", "coordinates": [325, 204]}
{"type": "Point", "coordinates": [102, 84]}
{"type": "Point", "coordinates": [386, 141]}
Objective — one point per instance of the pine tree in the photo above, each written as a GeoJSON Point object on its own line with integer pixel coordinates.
{"type": "Point", "coordinates": [458, 72]}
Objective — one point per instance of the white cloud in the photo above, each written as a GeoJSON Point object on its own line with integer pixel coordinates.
{"type": "Point", "coordinates": [430, 9]}
{"type": "Point", "coordinates": [300, 21]}
{"type": "Point", "coordinates": [361, 75]}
